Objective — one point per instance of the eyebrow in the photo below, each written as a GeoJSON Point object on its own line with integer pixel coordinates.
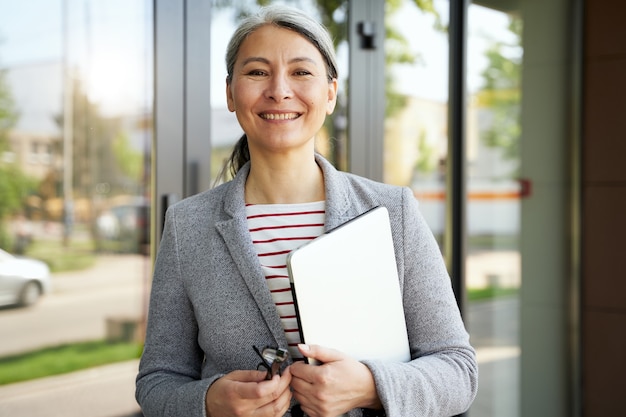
{"type": "Point", "coordinates": [266, 61]}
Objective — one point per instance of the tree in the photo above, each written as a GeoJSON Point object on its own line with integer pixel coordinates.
{"type": "Point", "coordinates": [398, 51]}
{"type": "Point", "coordinates": [14, 185]}
{"type": "Point", "coordinates": [501, 94]}
{"type": "Point", "coordinates": [129, 160]}
{"type": "Point", "coordinates": [101, 152]}
{"type": "Point", "coordinates": [425, 163]}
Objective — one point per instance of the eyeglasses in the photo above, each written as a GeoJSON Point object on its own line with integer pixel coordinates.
{"type": "Point", "coordinates": [271, 360]}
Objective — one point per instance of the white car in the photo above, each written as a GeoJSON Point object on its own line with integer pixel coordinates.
{"type": "Point", "coordinates": [22, 280]}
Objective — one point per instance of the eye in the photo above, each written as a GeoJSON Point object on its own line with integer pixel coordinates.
{"type": "Point", "coordinates": [302, 73]}
{"type": "Point", "coordinates": [256, 73]}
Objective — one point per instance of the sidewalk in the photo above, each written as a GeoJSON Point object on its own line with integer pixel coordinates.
{"type": "Point", "coordinates": [106, 391]}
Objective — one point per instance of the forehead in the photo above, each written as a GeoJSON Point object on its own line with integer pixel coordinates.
{"type": "Point", "coordinates": [271, 40]}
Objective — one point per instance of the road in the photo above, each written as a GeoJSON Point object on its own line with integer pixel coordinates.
{"type": "Point", "coordinates": [79, 305]}
{"type": "Point", "coordinates": [77, 310]}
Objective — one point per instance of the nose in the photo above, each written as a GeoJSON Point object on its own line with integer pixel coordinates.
{"type": "Point", "coordinates": [279, 88]}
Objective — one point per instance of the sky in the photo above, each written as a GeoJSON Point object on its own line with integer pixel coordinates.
{"type": "Point", "coordinates": [430, 79]}
{"type": "Point", "coordinates": [108, 42]}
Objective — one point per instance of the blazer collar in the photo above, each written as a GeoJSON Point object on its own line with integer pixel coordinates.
{"type": "Point", "coordinates": [338, 194]}
{"type": "Point", "coordinates": [339, 208]}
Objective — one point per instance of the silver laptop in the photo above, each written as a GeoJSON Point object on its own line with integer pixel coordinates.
{"type": "Point", "coordinates": [347, 293]}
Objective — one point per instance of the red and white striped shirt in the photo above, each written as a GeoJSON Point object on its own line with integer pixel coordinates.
{"type": "Point", "coordinates": [277, 229]}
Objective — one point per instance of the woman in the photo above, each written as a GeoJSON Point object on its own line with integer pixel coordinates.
{"type": "Point", "coordinates": [220, 285]}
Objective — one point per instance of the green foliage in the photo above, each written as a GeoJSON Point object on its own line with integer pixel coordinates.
{"type": "Point", "coordinates": [101, 150]}
{"type": "Point", "coordinates": [398, 51]}
{"type": "Point", "coordinates": [501, 93]}
{"type": "Point", "coordinates": [489, 293]}
{"type": "Point", "coordinates": [8, 112]}
{"type": "Point", "coordinates": [14, 185]}
{"type": "Point", "coordinates": [63, 359]}
{"type": "Point", "coordinates": [425, 162]}
{"type": "Point", "coordinates": [77, 256]}
{"type": "Point", "coordinates": [129, 160]}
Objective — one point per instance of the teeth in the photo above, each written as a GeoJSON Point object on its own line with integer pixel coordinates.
{"type": "Point", "coordinates": [281, 116]}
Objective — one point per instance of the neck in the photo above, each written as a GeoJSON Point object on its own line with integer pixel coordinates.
{"type": "Point", "coordinates": [284, 182]}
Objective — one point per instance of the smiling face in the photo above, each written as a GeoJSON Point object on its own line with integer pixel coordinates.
{"type": "Point", "coordinates": [280, 90]}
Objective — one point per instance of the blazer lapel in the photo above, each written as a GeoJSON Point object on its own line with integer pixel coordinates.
{"type": "Point", "coordinates": [235, 233]}
{"type": "Point", "coordinates": [339, 202]}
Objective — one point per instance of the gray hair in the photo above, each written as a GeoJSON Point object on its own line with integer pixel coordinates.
{"type": "Point", "coordinates": [288, 18]}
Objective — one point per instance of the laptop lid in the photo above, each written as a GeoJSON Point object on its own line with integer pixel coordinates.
{"type": "Point", "coordinates": [346, 290]}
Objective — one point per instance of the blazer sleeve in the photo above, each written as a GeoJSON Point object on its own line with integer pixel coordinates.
{"type": "Point", "coordinates": [442, 377]}
{"type": "Point", "coordinates": [169, 380]}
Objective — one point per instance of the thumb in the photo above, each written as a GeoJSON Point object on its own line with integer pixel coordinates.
{"type": "Point", "coordinates": [321, 353]}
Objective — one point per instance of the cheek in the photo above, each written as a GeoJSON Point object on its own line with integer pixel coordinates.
{"type": "Point", "coordinates": [242, 95]}
{"type": "Point", "coordinates": [317, 100]}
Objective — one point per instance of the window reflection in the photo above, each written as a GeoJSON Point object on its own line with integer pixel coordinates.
{"type": "Point", "coordinates": [75, 151]}
{"type": "Point", "coordinates": [416, 140]}
{"type": "Point", "coordinates": [493, 275]}
{"type": "Point", "coordinates": [416, 124]}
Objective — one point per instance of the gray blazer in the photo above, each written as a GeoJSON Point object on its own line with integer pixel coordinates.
{"type": "Point", "coordinates": [209, 304]}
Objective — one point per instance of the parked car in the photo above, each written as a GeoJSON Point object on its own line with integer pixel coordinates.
{"type": "Point", "coordinates": [124, 228]}
{"type": "Point", "coordinates": [22, 280]}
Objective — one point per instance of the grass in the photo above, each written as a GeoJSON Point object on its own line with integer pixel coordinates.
{"type": "Point", "coordinates": [65, 358]}
{"type": "Point", "coordinates": [490, 293]}
{"type": "Point", "coordinates": [76, 256]}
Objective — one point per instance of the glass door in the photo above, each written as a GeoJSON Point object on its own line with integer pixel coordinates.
{"type": "Point", "coordinates": [75, 156]}
{"type": "Point", "coordinates": [416, 113]}
{"type": "Point", "coordinates": [417, 154]}
{"type": "Point", "coordinates": [493, 263]}
{"type": "Point", "coordinates": [518, 276]}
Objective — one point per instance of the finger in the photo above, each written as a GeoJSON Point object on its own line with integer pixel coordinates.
{"type": "Point", "coordinates": [302, 373]}
{"type": "Point", "coordinates": [278, 406]}
{"type": "Point", "coordinates": [234, 394]}
{"type": "Point", "coordinates": [285, 377]}
{"type": "Point", "coordinates": [252, 385]}
{"type": "Point", "coordinates": [273, 388]}
{"type": "Point", "coordinates": [321, 353]}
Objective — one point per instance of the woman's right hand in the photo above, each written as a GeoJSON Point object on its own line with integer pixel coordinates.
{"type": "Point", "coordinates": [248, 393]}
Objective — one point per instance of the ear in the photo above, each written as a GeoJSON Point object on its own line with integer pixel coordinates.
{"type": "Point", "coordinates": [332, 96]}
{"type": "Point", "coordinates": [229, 97]}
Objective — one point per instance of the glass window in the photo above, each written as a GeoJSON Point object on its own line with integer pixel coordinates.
{"type": "Point", "coordinates": [493, 276]}
{"type": "Point", "coordinates": [75, 147]}
{"type": "Point", "coordinates": [416, 119]}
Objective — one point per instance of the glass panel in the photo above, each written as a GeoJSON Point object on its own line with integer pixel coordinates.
{"type": "Point", "coordinates": [416, 120]}
{"type": "Point", "coordinates": [75, 149]}
{"type": "Point", "coordinates": [493, 276]}
{"type": "Point", "coordinates": [225, 130]}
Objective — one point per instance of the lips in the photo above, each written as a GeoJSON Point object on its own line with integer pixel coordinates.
{"type": "Point", "coordinates": [279, 116]}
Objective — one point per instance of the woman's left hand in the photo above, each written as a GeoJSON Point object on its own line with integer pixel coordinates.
{"type": "Point", "coordinates": [335, 387]}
